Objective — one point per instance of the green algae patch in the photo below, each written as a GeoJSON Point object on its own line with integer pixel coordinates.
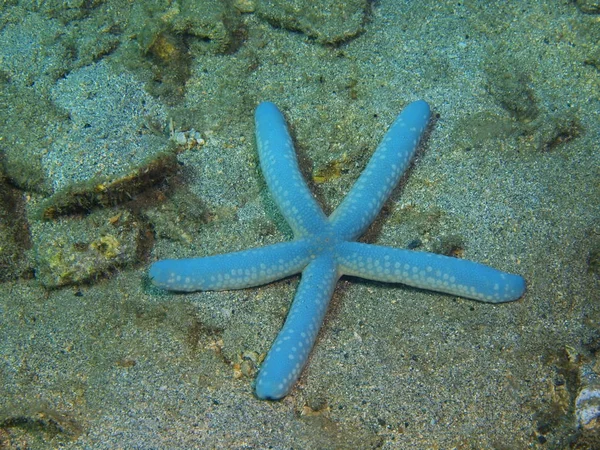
{"type": "Point", "coordinates": [72, 251]}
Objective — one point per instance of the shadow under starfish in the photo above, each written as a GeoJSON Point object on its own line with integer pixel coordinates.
{"type": "Point", "coordinates": [325, 248]}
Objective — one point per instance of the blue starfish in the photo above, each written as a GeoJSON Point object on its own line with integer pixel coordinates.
{"type": "Point", "coordinates": [324, 248]}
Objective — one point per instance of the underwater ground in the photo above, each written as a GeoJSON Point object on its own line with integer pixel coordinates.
{"type": "Point", "coordinates": [127, 136]}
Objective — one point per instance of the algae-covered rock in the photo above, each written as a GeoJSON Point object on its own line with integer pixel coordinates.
{"type": "Point", "coordinates": [113, 126]}
{"type": "Point", "coordinates": [14, 233]}
{"type": "Point", "coordinates": [111, 147]}
{"type": "Point", "coordinates": [70, 251]}
{"type": "Point", "coordinates": [327, 21]}
{"type": "Point", "coordinates": [212, 22]}
{"type": "Point", "coordinates": [589, 6]}
{"type": "Point", "coordinates": [104, 191]}
{"type": "Point", "coordinates": [31, 50]}
{"type": "Point", "coordinates": [26, 130]}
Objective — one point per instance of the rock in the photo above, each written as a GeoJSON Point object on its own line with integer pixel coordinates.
{"type": "Point", "coordinates": [589, 6]}
{"type": "Point", "coordinates": [114, 125]}
{"type": "Point", "coordinates": [113, 145]}
{"type": "Point", "coordinates": [326, 21]}
{"type": "Point", "coordinates": [26, 132]}
{"type": "Point", "coordinates": [587, 403]}
{"type": "Point", "coordinates": [213, 22]}
{"type": "Point", "coordinates": [71, 251]}
{"type": "Point", "coordinates": [31, 50]}
{"type": "Point", "coordinates": [14, 233]}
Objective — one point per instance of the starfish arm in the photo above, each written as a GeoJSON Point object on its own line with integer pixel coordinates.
{"type": "Point", "coordinates": [282, 173]}
{"type": "Point", "coordinates": [236, 270]}
{"type": "Point", "coordinates": [392, 157]}
{"type": "Point", "coordinates": [290, 351]}
{"type": "Point", "coordinates": [429, 271]}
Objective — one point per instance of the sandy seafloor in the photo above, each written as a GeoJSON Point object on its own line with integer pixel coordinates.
{"type": "Point", "coordinates": [118, 364]}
